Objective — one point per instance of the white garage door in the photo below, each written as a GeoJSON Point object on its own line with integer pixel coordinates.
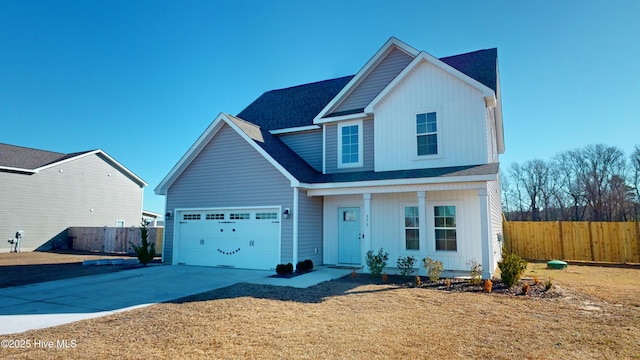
{"type": "Point", "coordinates": [242, 238]}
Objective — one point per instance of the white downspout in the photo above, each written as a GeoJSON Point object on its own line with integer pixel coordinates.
{"type": "Point", "coordinates": [295, 225]}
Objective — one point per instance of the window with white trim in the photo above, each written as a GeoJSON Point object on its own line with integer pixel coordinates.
{"type": "Point", "coordinates": [445, 228]}
{"type": "Point", "coordinates": [350, 144]}
{"type": "Point", "coordinates": [427, 133]}
{"type": "Point", "coordinates": [411, 228]}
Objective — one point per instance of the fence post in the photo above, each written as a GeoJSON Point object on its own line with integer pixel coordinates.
{"type": "Point", "coordinates": [561, 240]}
{"type": "Point", "coordinates": [590, 240]}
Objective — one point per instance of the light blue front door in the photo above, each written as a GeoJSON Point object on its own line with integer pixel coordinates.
{"type": "Point", "coordinates": [349, 235]}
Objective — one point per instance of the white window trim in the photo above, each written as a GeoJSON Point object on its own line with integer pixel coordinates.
{"type": "Point", "coordinates": [360, 144]}
{"type": "Point", "coordinates": [431, 228]}
{"type": "Point", "coordinates": [438, 135]}
{"type": "Point", "coordinates": [403, 246]}
{"type": "Point", "coordinates": [118, 222]}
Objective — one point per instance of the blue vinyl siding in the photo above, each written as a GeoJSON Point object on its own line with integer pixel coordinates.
{"type": "Point", "coordinates": [228, 172]}
{"type": "Point", "coordinates": [307, 144]}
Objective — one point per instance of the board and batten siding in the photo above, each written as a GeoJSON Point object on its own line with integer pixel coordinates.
{"type": "Point", "coordinates": [461, 123]}
{"type": "Point", "coordinates": [387, 226]}
{"type": "Point", "coordinates": [331, 140]}
{"type": "Point", "coordinates": [229, 172]}
{"type": "Point", "coordinates": [309, 228]}
{"type": "Point", "coordinates": [87, 191]}
{"type": "Point", "coordinates": [307, 144]}
{"type": "Point", "coordinates": [382, 74]}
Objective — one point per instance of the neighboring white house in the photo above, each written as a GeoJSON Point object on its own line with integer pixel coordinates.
{"type": "Point", "coordinates": [401, 156]}
{"type": "Point", "coordinates": [43, 193]}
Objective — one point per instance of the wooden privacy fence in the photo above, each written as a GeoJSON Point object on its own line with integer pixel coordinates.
{"type": "Point", "coordinates": [615, 242]}
{"type": "Point", "coordinates": [112, 239]}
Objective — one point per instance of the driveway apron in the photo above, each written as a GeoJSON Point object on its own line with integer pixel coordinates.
{"type": "Point", "coordinates": [59, 302]}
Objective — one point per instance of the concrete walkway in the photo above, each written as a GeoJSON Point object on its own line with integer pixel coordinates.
{"type": "Point", "coordinates": [60, 302]}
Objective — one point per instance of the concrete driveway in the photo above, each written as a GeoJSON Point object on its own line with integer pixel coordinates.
{"type": "Point", "coordinates": [59, 302]}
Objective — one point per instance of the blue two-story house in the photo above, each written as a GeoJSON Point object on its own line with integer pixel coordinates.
{"type": "Point", "coordinates": [402, 156]}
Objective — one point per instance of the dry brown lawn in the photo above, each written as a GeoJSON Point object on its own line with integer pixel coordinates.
{"type": "Point", "coordinates": [595, 316]}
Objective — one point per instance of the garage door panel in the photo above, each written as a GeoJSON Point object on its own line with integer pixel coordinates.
{"type": "Point", "coordinates": [243, 238]}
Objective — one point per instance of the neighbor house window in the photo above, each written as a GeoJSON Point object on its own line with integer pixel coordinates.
{"type": "Point", "coordinates": [445, 228]}
{"type": "Point", "coordinates": [427, 132]}
{"type": "Point", "coordinates": [411, 228]}
{"type": "Point", "coordinates": [120, 223]}
{"type": "Point", "coordinates": [350, 144]}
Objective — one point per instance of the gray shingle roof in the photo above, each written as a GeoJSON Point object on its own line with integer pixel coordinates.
{"type": "Point", "coordinates": [297, 106]}
{"type": "Point", "coordinates": [480, 65]}
{"type": "Point", "coordinates": [292, 107]}
{"type": "Point", "coordinates": [27, 158]}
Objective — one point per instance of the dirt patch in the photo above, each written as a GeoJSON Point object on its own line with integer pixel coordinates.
{"type": "Point", "coordinates": [35, 267]}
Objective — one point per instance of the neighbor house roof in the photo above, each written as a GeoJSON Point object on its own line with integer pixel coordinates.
{"type": "Point", "coordinates": [23, 160]}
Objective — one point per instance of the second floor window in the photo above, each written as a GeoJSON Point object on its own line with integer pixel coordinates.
{"type": "Point", "coordinates": [427, 132]}
{"type": "Point", "coordinates": [350, 144]}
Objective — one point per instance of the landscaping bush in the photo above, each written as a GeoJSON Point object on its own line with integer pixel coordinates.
{"type": "Point", "coordinates": [289, 268]}
{"type": "Point", "coordinates": [281, 269]}
{"type": "Point", "coordinates": [511, 267]}
{"type": "Point", "coordinates": [377, 262]}
{"type": "Point", "coordinates": [405, 265]}
{"type": "Point", "coordinates": [146, 251]}
{"type": "Point", "coordinates": [434, 268]}
{"type": "Point", "coordinates": [476, 272]}
{"type": "Point", "coordinates": [303, 267]}
{"type": "Point", "coordinates": [309, 264]}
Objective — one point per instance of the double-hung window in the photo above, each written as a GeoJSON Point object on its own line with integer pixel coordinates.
{"type": "Point", "coordinates": [411, 228]}
{"type": "Point", "coordinates": [350, 144]}
{"type": "Point", "coordinates": [445, 228]}
{"type": "Point", "coordinates": [427, 133]}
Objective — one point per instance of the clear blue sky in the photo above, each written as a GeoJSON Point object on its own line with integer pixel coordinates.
{"type": "Point", "coordinates": [141, 80]}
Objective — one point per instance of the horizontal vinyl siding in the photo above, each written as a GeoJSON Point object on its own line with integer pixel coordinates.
{"type": "Point", "coordinates": [46, 203]}
{"type": "Point", "coordinates": [368, 148]}
{"type": "Point", "coordinates": [376, 81]}
{"type": "Point", "coordinates": [495, 203]}
{"type": "Point", "coordinates": [461, 116]}
{"type": "Point", "coordinates": [309, 228]}
{"type": "Point", "coordinates": [308, 145]}
{"type": "Point", "coordinates": [228, 172]}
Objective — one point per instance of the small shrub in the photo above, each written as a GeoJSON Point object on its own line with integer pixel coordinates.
{"type": "Point", "coordinates": [377, 262]}
{"type": "Point", "coordinates": [548, 285]}
{"type": "Point", "coordinates": [309, 264]}
{"type": "Point", "coordinates": [146, 251]}
{"type": "Point", "coordinates": [418, 280]}
{"type": "Point", "coordinates": [511, 267]}
{"type": "Point", "coordinates": [476, 272]}
{"type": "Point", "coordinates": [281, 269]}
{"type": "Point", "coordinates": [536, 281]}
{"type": "Point", "coordinates": [434, 268]}
{"type": "Point", "coordinates": [488, 285]}
{"type": "Point", "coordinates": [354, 274]}
{"type": "Point", "coordinates": [385, 278]}
{"type": "Point", "coordinates": [405, 264]}
{"type": "Point", "coordinates": [525, 288]}
{"type": "Point", "coordinates": [289, 268]}
{"type": "Point", "coordinates": [301, 267]}
{"type": "Point", "coordinates": [447, 283]}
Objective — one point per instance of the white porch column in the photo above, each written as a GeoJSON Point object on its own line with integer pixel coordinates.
{"type": "Point", "coordinates": [295, 226]}
{"type": "Point", "coordinates": [367, 225]}
{"type": "Point", "coordinates": [485, 235]}
{"type": "Point", "coordinates": [422, 221]}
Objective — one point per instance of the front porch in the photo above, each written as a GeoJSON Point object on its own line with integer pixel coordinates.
{"type": "Point", "coordinates": [451, 223]}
